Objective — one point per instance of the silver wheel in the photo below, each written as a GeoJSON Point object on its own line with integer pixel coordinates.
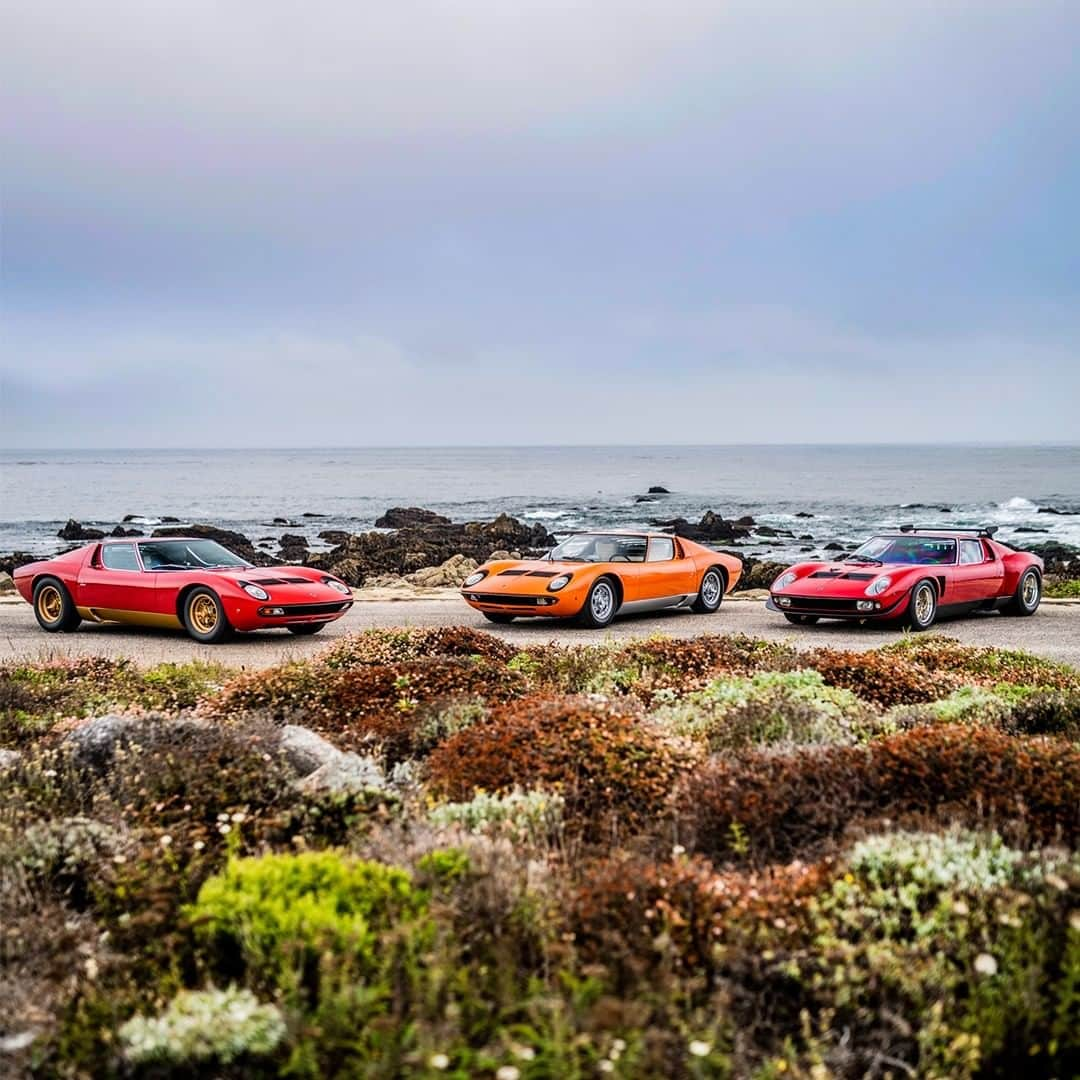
{"type": "Point", "coordinates": [602, 602]}
{"type": "Point", "coordinates": [923, 605]}
{"type": "Point", "coordinates": [1029, 589]}
{"type": "Point", "coordinates": [710, 588]}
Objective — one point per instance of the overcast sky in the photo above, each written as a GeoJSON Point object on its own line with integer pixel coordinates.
{"type": "Point", "coordinates": [536, 221]}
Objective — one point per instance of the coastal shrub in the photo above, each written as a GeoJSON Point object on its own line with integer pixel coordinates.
{"type": "Point", "coordinates": [570, 669]}
{"type": "Point", "coordinates": [772, 805]}
{"type": "Point", "coordinates": [968, 941]}
{"type": "Point", "coordinates": [387, 647]}
{"type": "Point", "coordinates": [987, 666]}
{"type": "Point", "coordinates": [274, 916]}
{"type": "Point", "coordinates": [524, 815]}
{"type": "Point", "coordinates": [202, 1028]}
{"type": "Point", "coordinates": [64, 854]}
{"type": "Point", "coordinates": [886, 679]}
{"type": "Point", "coordinates": [285, 694]}
{"type": "Point", "coordinates": [33, 697]}
{"type": "Point", "coordinates": [770, 708]}
{"type": "Point", "coordinates": [1061, 588]}
{"type": "Point", "coordinates": [1017, 709]}
{"type": "Point", "coordinates": [600, 756]}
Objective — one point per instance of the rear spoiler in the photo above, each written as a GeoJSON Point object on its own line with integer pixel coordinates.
{"type": "Point", "coordinates": [984, 531]}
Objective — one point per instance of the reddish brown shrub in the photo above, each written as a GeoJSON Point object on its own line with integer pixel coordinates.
{"type": "Point", "coordinates": [414, 643]}
{"type": "Point", "coordinates": [693, 661]}
{"type": "Point", "coordinates": [884, 678]}
{"type": "Point", "coordinates": [602, 758]}
{"type": "Point", "coordinates": [774, 805]}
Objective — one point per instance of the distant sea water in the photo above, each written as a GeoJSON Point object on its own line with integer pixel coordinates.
{"type": "Point", "coordinates": [848, 490]}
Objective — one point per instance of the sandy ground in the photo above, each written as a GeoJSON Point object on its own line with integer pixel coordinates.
{"type": "Point", "coordinates": [1054, 632]}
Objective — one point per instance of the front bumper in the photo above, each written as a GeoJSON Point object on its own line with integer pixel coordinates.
{"type": "Point", "coordinates": [262, 614]}
{"type": "Point", "coordinates": [538, 605]}
{"type": "Point", "coordinates": [829, 607]}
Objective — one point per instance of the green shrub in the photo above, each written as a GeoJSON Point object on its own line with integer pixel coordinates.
{"type": "Point", "coordinates": [200, 1028]}
{"type": "Point", "coordinates": [770, 708]}
{"type": "Point", "coordinates": [525, 815]}
{"type": "Point", "coordinates": [279, 913]}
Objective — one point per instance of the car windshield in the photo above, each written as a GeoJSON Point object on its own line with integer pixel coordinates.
{"type": "Point", "coordinates": [187, 555]}
{"type": "Point", "coordinates": [907, 550]}
{"type": "Point", "coordinates": [601, 547]}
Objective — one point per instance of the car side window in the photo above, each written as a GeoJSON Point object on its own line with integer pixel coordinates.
{"type": "Point", "coordinates": [661, 550]}
{"type": "Point", "coordinates": [971, 551]}
{"type": "Point", "coordinates": [119, 557]}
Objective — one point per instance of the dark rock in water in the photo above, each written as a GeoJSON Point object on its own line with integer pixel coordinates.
{"type": "Point", "coordinates": [806, 549]}
{"type": "Point", "coordinates": [73, 530]}
{"type": "Point", "coordinates": [334, 536]}
{"type": "Point", "coordinates": [804, 514]}
{"type": "Point", "coordinates": [927, 506]}
{"type": "Point", "coordinates": [293, 540]}
{"type": "Point", "coordinates": [710, 529]}
{"type": "Point", "coordinates": [1055, 510]}
{"type": "Point", "coordinates": [309, 514]}
{"type": "Point", "coordinates": [281, 521]}
{"type": "Point", "coordinates": [645, 498]}
{"type": "Point", "coordinates": [407, 517]}
{"type": "Point", "coordinates": [132, 517]}
{"type": "Point", "coordinates": [657, 489]}
{"type": "Point", "coordinates": [806, 536]}
{"type": "Point", "coordinates": [746, 521]}
{"type": "Point", "coordinates": [8, 563]}
{"type": "Point", "coordinates": [121, 531]}
{"type": "Point", "coordinates": [168, 520]}
{"type": "Point", "coordinates": [234, 541]}
{"type": "Point", "coordinates": [1029, 529]}
{"type": "Point", "coordinates": [767, 530]}
{"type": "Point", "coordinates": [834, 546]}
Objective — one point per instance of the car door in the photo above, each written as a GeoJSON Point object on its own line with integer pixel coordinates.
{"type": "Point", "coordinates": [112, 582]}
{"type": "Point", "coordinates": [977, 575]}
{"type": "Point", "coordinates": [665, 573]}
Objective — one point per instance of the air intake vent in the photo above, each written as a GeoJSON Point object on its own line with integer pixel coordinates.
{"type": "Point", "coordinates": [512, 573]}
{"type": "Point", "coordinates": [542, 573]}
{"type": "Point", "coordinates": [833, 575]}
{"type": "Point", "coordinates": [269, 581]}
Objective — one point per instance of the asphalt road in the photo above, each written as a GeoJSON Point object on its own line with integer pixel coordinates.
{"type": "Point", "coordinates": [1054, 632]}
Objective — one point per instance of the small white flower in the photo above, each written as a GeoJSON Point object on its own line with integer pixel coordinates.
{"type": "Point", "coordinates": [677, 850]}
{"type": "Point", "coordinates": [985, 964]}
{"type": "Point", "coordinates": [607, 1066]}
{"type": "Point", "coordinates": [198, 845]}
{"type": "Point", "coordinates": [1074, 920]}
{"type": "Point", "coordinates": [507, 1072]}
{"type": "Point", "coordinates": [619, 1045]}
{"type": "Point", "coordinates": [238, 817]}
{"type": "Point", "coordinates": [526, 1053]}
{"type": "Point", "coordinates": [699, 1048]}
{"type": "Point", "coordinates": [961, 908]}
{"type": "Point", "coordinates": [165, 840]}
{"type": "Point", "coordinates": [439, 1061]}
{"type": "Point", "coordinates": [223, 817]}
{"type": "Point", "coordinates": [225, 828]}
{"type": "Point", "coordinates": [49, 772]}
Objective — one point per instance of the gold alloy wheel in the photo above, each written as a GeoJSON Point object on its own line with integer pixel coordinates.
{"type": "Point", "coordinates": [203, 613]}
{"type": "Point", "coordinates": [50, 603]}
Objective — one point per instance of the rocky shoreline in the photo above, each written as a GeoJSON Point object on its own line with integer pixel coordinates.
{"type": "Point", "coordinates": [419, 547]}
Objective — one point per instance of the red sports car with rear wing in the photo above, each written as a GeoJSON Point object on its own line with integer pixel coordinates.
{"type": "Point", "coordinates": [911, 576]}
{"type": "Point", "coordinates": [178, 582]}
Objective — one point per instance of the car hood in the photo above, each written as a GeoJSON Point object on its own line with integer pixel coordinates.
{"type": "Point", "coordinates": [530, 575]}
{"type": "Point", "coordinates": [839, 578]}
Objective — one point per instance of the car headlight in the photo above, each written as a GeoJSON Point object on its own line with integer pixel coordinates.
{"type": "Point", "coordinates": [878, 585]}
{"type": "Point", "coordinates": [473, 578]}
{"type": "Point", "coordinates": [337, 586]}
{"type": "Point", "coordinates": [555, 584]}
{"type": "Point", "coordinates": [785, 579]}
{"type": "Point", "coordinates": [254, 590]}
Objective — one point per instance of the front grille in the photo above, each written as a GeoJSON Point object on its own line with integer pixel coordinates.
{"type": "Point", "coordinates": [510, 601]}
{"type": "Point", "coordinates": [819, 603]}
{"type": "Point", "coordinates": [315, 609]}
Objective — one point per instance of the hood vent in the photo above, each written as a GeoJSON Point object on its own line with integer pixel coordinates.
{"type": "Point", "coordinates": [512, 573]}
{"type": "Point", "coordinates": [541, 573]}
{"type": "Point", "coordinates": [833, 574]}
{"type": "Point", "coordinates": [282, 581]}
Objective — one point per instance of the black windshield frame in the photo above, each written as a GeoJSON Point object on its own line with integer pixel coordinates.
{"type": "Point", "coordinates": [159, 556]}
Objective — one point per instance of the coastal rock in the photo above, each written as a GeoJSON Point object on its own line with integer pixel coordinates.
{"type": "Point", "coordinates": [710, 529]}
{"type": "Point", "coordinates": [1061, 560]}
{"type": "Point", "coordinates": [293, 547]}
{"type": "Point", "coordinates": [746, 521]}
{"type": "Point", "coordinates": [348, 772]}
{"type": "Point", "coordinates": [309, 514]}
{"type": "Point", "coordinates": [334, 536]}
{"type": "Point", "coordinates": [1057, 511]}
{"type": "Point", "coordinates": [646, 498]}
{"type": "Point", "coordinates": [657, 489]}
{"type": "Point", "coordinates": [834, 546]}
{"type": "Point", "coordinates": [803, 514]}
{"type": "Point", "coordinates": [10, 563]}
{"type": "Point", "coordinates": [168, 519]}
{"type": "Point", "coordinates": [759, 573]}
{"type": "Point", "coordinates": [121, 531]}
{"type": "Point", "coordinates": [304, 750]}
{"type": "Point", "coordinates": [7, 585]}
{"type": "Point", "coordinates": [450, 574]}
{"type": "Point", "coordinates": [408, 517]}
{"type": "Point", "coordinates": [74, 530]}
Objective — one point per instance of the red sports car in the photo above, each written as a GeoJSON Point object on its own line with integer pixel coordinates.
{"type": "Point", "coordinates": [178, 582]}
{"type": "Point", "coordinates": [911, 576]}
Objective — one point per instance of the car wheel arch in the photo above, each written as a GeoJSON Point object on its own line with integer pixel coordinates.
{"type": "Point", "coordinates": [619, 591]}
{"type": "Point", "coordinates": [722, 570]}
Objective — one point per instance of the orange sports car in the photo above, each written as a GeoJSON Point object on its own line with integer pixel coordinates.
{"type": "Point", "coordinates": [593, 576]}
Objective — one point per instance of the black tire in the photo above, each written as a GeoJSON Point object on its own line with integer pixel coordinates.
{"type": "Point", "coordinates": [600, 605]}
{"type": "Point", "coordinates": [801, 620]}
{"type": "Point", "coordinates": [200, 623]}
{"type": "Point", "coordinates": [1028, 594]}
{"type": "Point", "coordinates": [305, 629]}
{"type": "Point", "coordinates": [922, 607]}
{"type": "Point", "coordinates": [497, 617]}
{"type": "Point", "coordinates": [53, 606]}
{"type": "Point", "coordinates": [710, 592]}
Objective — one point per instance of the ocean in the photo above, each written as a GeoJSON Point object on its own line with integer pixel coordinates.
{"type": "Point", "coordinates": [848, 490]}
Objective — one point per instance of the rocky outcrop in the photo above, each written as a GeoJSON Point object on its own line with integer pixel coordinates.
{"type": "Point", "coordinates": [658, 489]}
{"type": "Point", "coordinates": [7, 586]}
{"type": "Point", "coordinates": [1060, 560]}
{"type": "Point", "coordinates": [9, 563]}
{"type": "Point", "coordinates": [321, 766]}
{"type": "Point", "coordinates": [419, 547]}
{"type": "Point", "coordinates": [294, 548]}
{"type": "Point", "coordinates": [712, 528]}
{"type": "Point", "coordinates": [74, 530]}
{"type": "Point", "coordinates": [759, 573]}
{"type": "Point", "coordinates": [121, 531]}
{"type": "Point", "coordinates": [449, 575]}
{"type": "Point", "coordinates": [409, 517]}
